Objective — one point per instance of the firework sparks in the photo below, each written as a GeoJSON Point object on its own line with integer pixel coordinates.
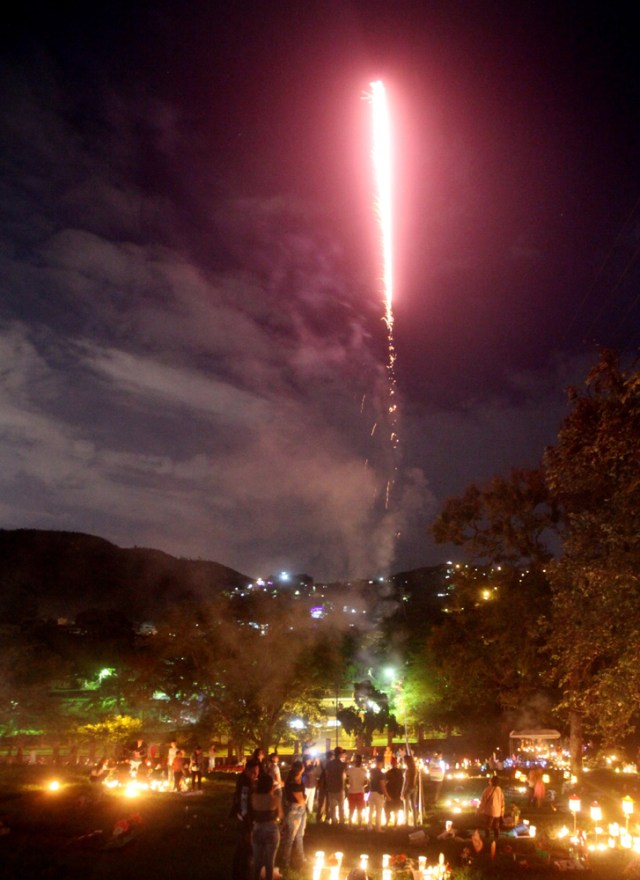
{"type": "Point", "coordinates": [382, 169]}
{"type": "Point", "coordinates": [381, 155]}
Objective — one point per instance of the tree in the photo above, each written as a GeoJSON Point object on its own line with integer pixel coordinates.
{"type": "Point", "coordinates": [508, 521]}
{"type": "Point", "coordinates": [484, 665]}
{"type": "Point", "coordinates": [246, 668]}
{"type": "Point", "coordinates": [30, 670]}
{"type": "Point", "coordinates": [372, 713]}
{"type": "Point", "coordinates": [272, 666]}
{"type": "Point", "coordinates": [594, 472]}
{"type": "Point", "coordinates": [112, 731]}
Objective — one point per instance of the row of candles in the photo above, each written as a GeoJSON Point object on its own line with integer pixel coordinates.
{"type": "Point", "coordinates": [334, 866]}
{"type": "Point", "coordinates": [616, 836]}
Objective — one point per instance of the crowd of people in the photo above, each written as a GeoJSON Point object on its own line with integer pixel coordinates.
{"type": "Point", "coordinates": [180, 768]}
{"type": "Point", "coordinates": [273, 812]}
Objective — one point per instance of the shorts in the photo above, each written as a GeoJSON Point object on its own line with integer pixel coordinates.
{"type": "Point", "coordinates": [356, 801]}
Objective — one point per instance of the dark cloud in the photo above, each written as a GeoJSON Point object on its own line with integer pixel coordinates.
{"type": "Point", "coordinates": [191, 336]}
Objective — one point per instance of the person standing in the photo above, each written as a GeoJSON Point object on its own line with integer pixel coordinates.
{"type": "Point", "coordinates": [356, 784]}
{"type": "Point", "coordinates": [178, 768]}
{"type": "Point", "coordinates": [295, 805]}
{"type": "Point", "coordinates": [266, 812]}
{"type": "Point", "coordinates": [378, 793]}
{"type": "Point", "coordinates": [539, 789]}
{"type": "Point", "coordinates": [137, 755]}
{"type": "Point", "coordinates": [492, 807]}
{"type": "Point", "coordinates": [310, 776]}
{"type": "Point", "coordinates": [410, 790]}
{"type": "Point", "coordinates": [197, 767]}
{"type": "Point", "coordinates": [394, 779]}
{"type": "Point", "coordinates": [171, 755]}
{"type": "Point", "coordinates": [273, 770]}
{"type": "Point", "coordinates": [212, 758]}
{"type": "Point", "coordinates": [321, 790]}
{"type": "Point", "coordinates": [241, 810]}
{"type": "Point", "coordinates": [336, 775]}
{"type": "Point", "coordinates": [532, 778]}
{"type": "Point", "coordinates": [437, 769]}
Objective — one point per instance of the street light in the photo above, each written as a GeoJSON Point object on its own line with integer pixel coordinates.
{"type": "Point", "coordinates": [575, 805]}
{"type": "Point", "coordinates": [627, 809]}
{"type": "Point", "coordinates": [596, 816]}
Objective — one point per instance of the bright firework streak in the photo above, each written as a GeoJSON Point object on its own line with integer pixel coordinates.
{"type": "Point", "coordinates": [381, 155]}
{"type": "Point", "coordinates": [382, 169]}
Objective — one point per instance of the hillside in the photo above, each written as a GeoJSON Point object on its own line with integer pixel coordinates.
{"type": "Point", "coordinates": [57, 574]}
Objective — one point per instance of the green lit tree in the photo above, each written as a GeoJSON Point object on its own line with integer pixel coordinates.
{"type": "Point", "coordinates": [371, 713]}
{"type": "Point", "coordinates": [110, 733]}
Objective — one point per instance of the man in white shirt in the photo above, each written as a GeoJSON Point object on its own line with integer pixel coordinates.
{"type": "Point", "coordinates": [356, 785]}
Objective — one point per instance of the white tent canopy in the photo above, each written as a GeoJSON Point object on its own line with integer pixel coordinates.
{"type": "Point", "coordinates": [535, 733]}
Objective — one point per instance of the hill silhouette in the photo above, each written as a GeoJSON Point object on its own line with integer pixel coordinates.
{"type": "Point", "coordinates": [58, 574]}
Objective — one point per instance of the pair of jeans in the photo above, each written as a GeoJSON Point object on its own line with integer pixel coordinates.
{"type": "Point", "coordinates": [265, 839]}
{"type": "Point", "coordinates": [336, 805]}
{"type": "Point", "coordinates": [376, 806]}
{"type": "Point", "coordinates": [410, 805]}
{"type": "Point", "coordinates": [295, 823]}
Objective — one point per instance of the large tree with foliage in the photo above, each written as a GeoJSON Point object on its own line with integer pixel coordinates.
{"type": "Point", "coordinates": [30, 670]}
{"type": "Point", "coordinates": [273, 663]}
{"type": "Point", "coordinates": [487, 648]}
{"type": "Point", "coordinates": [239, 666]}
{"type": "Point", "coordinates": [594, 472]}
{"type": "Point", "coordinates": [371, 712]}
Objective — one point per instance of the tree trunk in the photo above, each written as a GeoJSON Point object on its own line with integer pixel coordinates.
{"type": "Point", "coordinates": [575, 741]}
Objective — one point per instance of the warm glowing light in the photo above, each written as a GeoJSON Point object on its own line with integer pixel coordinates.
{"type": "Point", "coordinates": [54, 785]}
{"type": "Point", "coordinates": [627, 805]}
{"type": "Point", "coordinates": [132, 790]}
{"type": "Point", "coordinates": [381, 154]}
{"type": "Point", "coordinates": [596, 812]}
{"type": "Point", "coordinates": [382, 169]}
{"type": "Point", "coordinates": [575, 804]}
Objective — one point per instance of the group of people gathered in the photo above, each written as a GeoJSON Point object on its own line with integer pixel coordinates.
{"type": "Point", "coordinates": [273, 811]}
{"type": "Point", "coordinates": [181, 768]}
{"type": "Point", "coordinates": [387, 789]}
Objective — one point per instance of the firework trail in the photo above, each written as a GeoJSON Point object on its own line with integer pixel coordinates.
{"type": "Point", "coordinates": [382, 171]}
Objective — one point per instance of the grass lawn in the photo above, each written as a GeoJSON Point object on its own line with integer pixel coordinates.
{"type": "Point", "coordinates": [65, 835]}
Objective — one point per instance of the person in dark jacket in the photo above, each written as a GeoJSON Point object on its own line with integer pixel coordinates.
{"type": "Point", "coordinates": [336, 774]}
{"type": "Point", "coordinates": [241, 810]}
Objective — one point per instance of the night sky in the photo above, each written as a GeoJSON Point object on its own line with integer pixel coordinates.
{"type": "Point", "coordinates": [192, 350]}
